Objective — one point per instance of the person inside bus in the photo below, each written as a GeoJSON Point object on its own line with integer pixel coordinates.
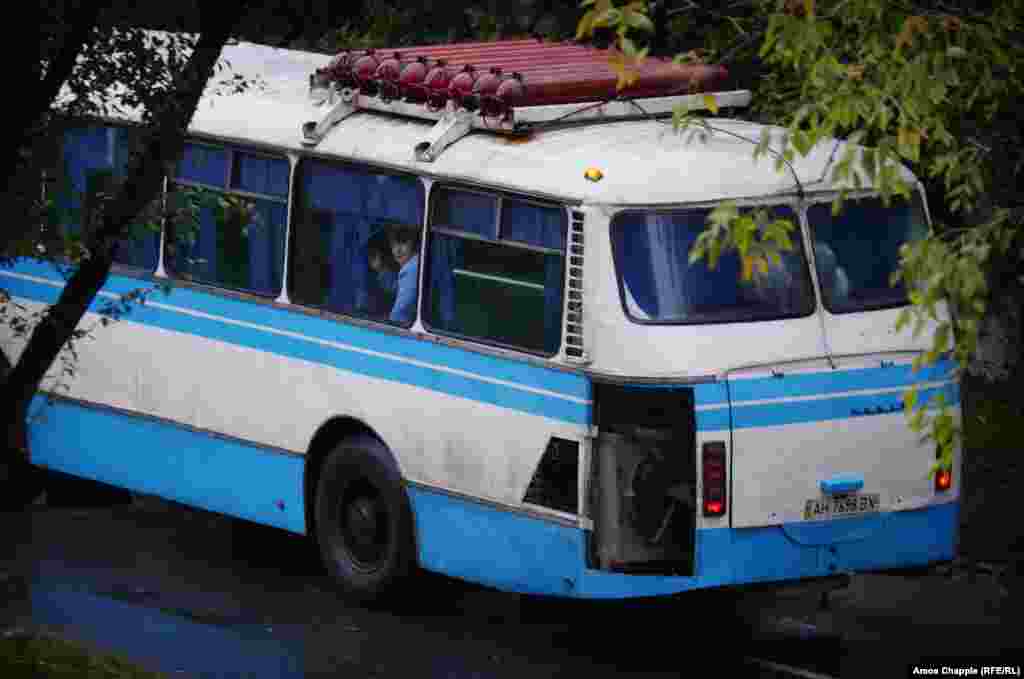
{"type": "Point", "coordinates": [377, 296]}
{"type": "Point", "coordinates": [405, 249]}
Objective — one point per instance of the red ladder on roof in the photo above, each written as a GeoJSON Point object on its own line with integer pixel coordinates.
{"type": "Point", "coordinates": [504, 86]}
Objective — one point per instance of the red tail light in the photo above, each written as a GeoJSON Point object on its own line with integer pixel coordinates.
{"type": "Point", "coordinates": [714, 478]}
{"type": "Point", "coordinates": [943, 480]}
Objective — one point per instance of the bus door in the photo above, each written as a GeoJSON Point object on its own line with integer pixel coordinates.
{"type": "Point", "coordinates": [855, 254]}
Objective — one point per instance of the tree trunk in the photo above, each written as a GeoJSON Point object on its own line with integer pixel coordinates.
{"type": "Point", "coordinates": [162, 144]}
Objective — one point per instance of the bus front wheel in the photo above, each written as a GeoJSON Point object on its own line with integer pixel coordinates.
{"type": "Point", "coordinates": [364, 522]}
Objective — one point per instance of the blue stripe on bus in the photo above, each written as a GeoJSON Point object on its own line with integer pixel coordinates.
{"type": "Point", "coordinates": [567, 383]}
{"type": "Point", "coordinates": [810, 384]}
{"type": "Point", "coordinates": [713, 420]}
{"type": "Point", "coordinates": [495, 547]}
{"type": "Point", "coordinates": [710, 393]}
{"type": "Point", "coordinates": [473, 387]}
{"type": "Point", "coordinates": [816, 410]}
{"type": "Point", "coordinates": [169, 461]}
{"type": "Point", "coordinates": [470, 387]}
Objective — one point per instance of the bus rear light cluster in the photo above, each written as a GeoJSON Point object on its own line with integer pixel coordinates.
{"type": "Point", "coordinates": [492, 93]}
{"type": "Point", "coordinates": [713, 474]}
{"type": "Point", "coordinates": [943, 477]}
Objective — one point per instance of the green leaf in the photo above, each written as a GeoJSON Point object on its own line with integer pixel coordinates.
{"type": "Point", "coordinates": [639, 21]}
{"type": "Point", "coordinates": [586, 25]}
{"type": "Point", "coordinates": [608, 17]}
{"type": "Point", "coordinates": [628, 47]}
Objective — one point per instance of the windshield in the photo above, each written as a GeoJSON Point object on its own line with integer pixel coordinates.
{"type": "Point", "coordinates": [659, 285]}
{"type": "Point", "coordinates": [857, 251]}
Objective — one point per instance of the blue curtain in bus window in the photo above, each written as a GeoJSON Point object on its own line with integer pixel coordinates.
{"type": "Point", "coordinates": [633, 259]}
{"type": "Point", "coordinates": [652, 251]}
{"type": "Point", "coordinates": [266, 247]}
{"type": "Point", "coordinates": [466, 211]}
{"type": "Point", "coordinates": [358, 202]}
{"type": "Point", "coordinates": [142, 249]}
{"type": "Point", "coordinates": [92, 149]}
{"type": "Point", "coordinates": [857, 251]}
{"type": "Point", "coordinates": [203, 255]}
{"type": "Point", "coordinates": [261, 174]}
{"type": "Point", "coordinates": [543, 227]}
{"type": "Point", "coordinates": [85, 149]}
{"type": "Point", "coordinates": [445, 256]}
{"type": "Point", "coordinates": [265, 175]}
{"type": "Point", "coordinates": [387, 199]}
{"type": "Point", "coordinates": [533, 224]}
{"type": "Point", "coordinates": [203, 164]}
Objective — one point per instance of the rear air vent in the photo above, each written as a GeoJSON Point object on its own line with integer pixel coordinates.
{"type": "Point", "coordinates": [575, 351]}
{"type": "Point", "coordinates": [554, 482]}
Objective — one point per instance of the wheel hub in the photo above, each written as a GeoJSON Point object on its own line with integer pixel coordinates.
{"type": "Point", "coordinates": [364, 529]}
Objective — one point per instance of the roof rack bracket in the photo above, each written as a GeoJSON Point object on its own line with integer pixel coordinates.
{"type": "Point", "coordinates": [313, 132]}
{"type": "Point", "coordinates": [453, 125]}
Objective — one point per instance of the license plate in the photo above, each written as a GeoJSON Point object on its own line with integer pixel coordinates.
{"type": "Point", "coordinates": [841, 506]}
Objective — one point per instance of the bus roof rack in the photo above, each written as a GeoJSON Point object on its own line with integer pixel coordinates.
{"type": "Point", "coordinates": [508, 87]}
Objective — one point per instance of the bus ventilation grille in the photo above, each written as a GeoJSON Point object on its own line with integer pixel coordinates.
{"type": "Point", "coordinates": [575, 352]}
{"type": "Point", "coordinates": [554, 482]}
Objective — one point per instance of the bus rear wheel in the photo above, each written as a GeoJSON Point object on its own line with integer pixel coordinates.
{"type": "Point", "coordinates": [364, 522]}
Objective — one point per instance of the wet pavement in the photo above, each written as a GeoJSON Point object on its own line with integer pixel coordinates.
{"type": "Point", "coordinates": [194, 594]}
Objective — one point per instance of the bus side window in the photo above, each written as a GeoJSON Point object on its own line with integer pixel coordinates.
{"type": "Point", "coordinates": [93, 162]}
{"type": "Point", "coordinates": [343, 245]}
{"type": "Point", "coordinates": [497, 282]}
{"type": "Point", "coordinates": [239, 238]}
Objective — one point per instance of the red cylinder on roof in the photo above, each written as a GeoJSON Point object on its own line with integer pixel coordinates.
{"type": "Point", "coordinates": [365, 67]}
{"type": "Point", "coordinates": [390, 68]}
{"type": "Point", "coordinates": [511, 91]}
{"type": "Point", "coordinates": [387, 75]}
{"type": "Point", "coordinates": [462, 85]}
{"type": "Point", "coordinates": [410, 79]}
{"type": "Point", "coordinates": [487, 84]}
{"type": "Point", "coordinates": [436, 82]}
{"type": "Point", "coordinates": [339, 70]}
{"type": "Point", "coordinates": [555, 73]}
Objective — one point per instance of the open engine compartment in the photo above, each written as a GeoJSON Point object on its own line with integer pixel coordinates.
{"type": "Point", "coordinates": [642, 490]}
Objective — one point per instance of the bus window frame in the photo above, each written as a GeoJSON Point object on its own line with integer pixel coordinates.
{"type": "Point", "coordinates": [230, 148]}
{"type": "Point", "coordinates": [919, 198]}
{"type": "Point", "coordinates": [438, 186]}
{"type": "Point", "coordinates": [796, 206]}
{"type": "Point", "coordinates": [295, 210]}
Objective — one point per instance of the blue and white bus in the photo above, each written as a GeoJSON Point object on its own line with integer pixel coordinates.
{"type": "Point", "coordinates": [488, 356]}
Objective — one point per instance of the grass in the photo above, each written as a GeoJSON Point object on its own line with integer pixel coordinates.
{"type": "Point", "coordinates": [43, 657]}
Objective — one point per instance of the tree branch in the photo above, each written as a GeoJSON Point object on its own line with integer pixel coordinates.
{"type": "Point", "coordinates": [164, 141]}
{"type": "Point", "coordinates": [83, 20]}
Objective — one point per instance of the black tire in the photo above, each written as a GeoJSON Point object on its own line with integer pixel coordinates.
{"type": "Point", "coordinates": [364, 521]}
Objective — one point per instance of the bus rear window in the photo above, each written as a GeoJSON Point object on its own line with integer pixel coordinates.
{"type": "Point", "coordinates": [659, 285]}
{"type": "Point", "coordinates": [857, 251]}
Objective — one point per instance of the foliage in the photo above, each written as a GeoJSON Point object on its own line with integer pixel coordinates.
{"type": "Point", "coordinates": [26, 656]}
{"type": "Point", "coordinates": [918, 84]}
{"type": "Point", "coordinates": [115, 71]}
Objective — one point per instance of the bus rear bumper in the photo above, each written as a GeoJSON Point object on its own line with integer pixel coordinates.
{"type": "Point", "coordinates": [778, 554]}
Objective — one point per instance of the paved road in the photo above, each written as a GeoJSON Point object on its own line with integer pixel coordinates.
{"type": "Point", "coordinates": [195, 594]}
